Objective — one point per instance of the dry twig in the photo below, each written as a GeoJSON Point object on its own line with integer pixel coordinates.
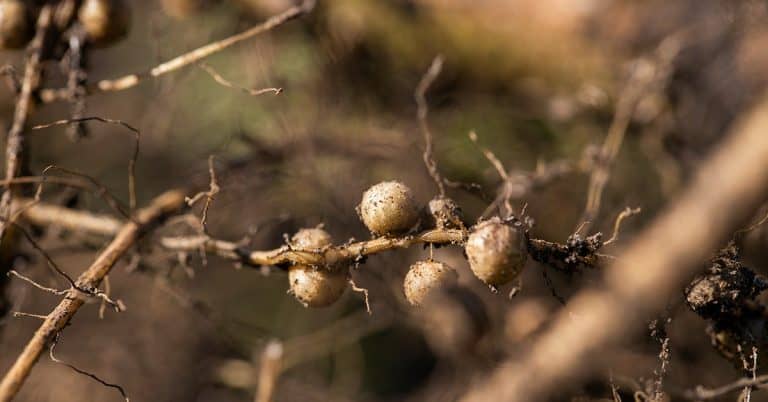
{"type": "Point", "coordinates": [213, 189]}
{"type": "Point", "coordinates": [223, 81]}
{"type": "Point", "coordinates": [76, 78]}
{"type": "Point", "coordinates": [726, 191]}
{"type": "Point", "coordinates": [14, 149]}
{"type": "Point", "coordinates": [364, 292]}
{"type": "Point", "coordinates": [9, 72]}
{"type": "Point", "coordinates": [71, 219]}
{"type": "Point", "coordinates": [186, 59]}
{"type": "Point", "coordinates": [645, 76]}
{"type": "Point", "coordinates": [626, 213]}
{"type": "Point", "coordinates": [28, 280]}
{"type": "Point", "coordinates": [160, 208]}
{"type": "Point", "coordinates": [81, 371]}
{"type": "Point", "coordinates": [421, 111]}
{"type": "Point", "coordinates": [269, 372]}
{"type": "Point", "coordinates": [30, 83]}
{"type": "Point", "coordinates": [516, 185]}
{"type": "Point", "coordinates": [131, 162]}
{"type": "Point", "coordinates": [18, 314]}
{"type": "Point", "coordinates": [701, 393]}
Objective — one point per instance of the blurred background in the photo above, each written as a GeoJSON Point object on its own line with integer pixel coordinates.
{"type": "Point", "coordinates": [537, 80]}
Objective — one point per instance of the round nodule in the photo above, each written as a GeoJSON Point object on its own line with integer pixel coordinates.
{"type": "Point", "coordinates": [424, 277]}
{"type": "Point", "coordinates": [496, 252]}
{"type": "Point", "coordinates": [104, 21]}
{"type": "Point", "coordinates": [314, 287]}
{"type": "Point", "coordinates": [445, 213]}
{"type": "Point", "coordinates": [311, 238]}
{"type": "Point", "coordinates": [15, 24]}
{"type": "Point", "coordinates": [389, 208]}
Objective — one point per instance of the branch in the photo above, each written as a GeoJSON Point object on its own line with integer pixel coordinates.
{"type": "Point", "coordinates": [422, 108]}
{"type": "Point", "coordinates": [517, 184]}
{"type": "Point", "coordinates": [213, 189]}
{"type": "Point", "coordinates": [30, 83]}
{"type": "Point", "coordinates": [225, 82]}
{"type": "Point", "coordinates": [729, 187]}
{"type": "Point", "coordinates": [131, 162]}
{"type": "Point", "coordinates": [160, 208]}
{"type": "Point", "coordinates": [626, 213]}
{"type": "Point", "coordinates": [77, 76]}
{"type": "Point", "coordinates": [557, 255]}
{"type": "Point", "coordinates": [269, 372]}
{"type": "Point", "coordinates": [701, 393]}
{"type": "Point", "coordinates": [645, 76]}
{"type": "Point", "coordinates": [79, 181]}
{"type": "Point", "coordinates": [194, 56]}
{"type": "Point", "coordinates": [326, 257]}
{"type": "Point", "coordinates": [14, 148]}
{"type": "Point", "coordinates": [75, 220]}
{"type": "Point", "coordinates": [81, 371]}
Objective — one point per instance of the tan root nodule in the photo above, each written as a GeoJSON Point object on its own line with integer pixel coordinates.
{"type": "Point", "coordinates": [425, 277]}
{"type": "Point", "coordinates": [105, 21]}
{"type": "Point", "coordinates": [315, 286]}
{"type": "Point", "coordinates": [311, 238]}
{"type": "Point", "coordinates": [496, 252]}
{"type": "Point", "coordinates": [15, 24]}
{"type": "Point", "coordinates": [389, 208]}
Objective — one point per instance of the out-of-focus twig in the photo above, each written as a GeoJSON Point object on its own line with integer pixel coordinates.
{"type": "Point", "coordinates": [495, 162]}
{"type": "Point", "coordinates": [14, 148]}
{"type": "Point", "coordinates": [76, 79]}
{"type": "Point", "coordinates": [269, 371]}
{"type": "Point", "coordinates": [646, 75]}
{"type": "Point", "coordinates": [9, 72]}
{"type": "Point", "coordinates": [186, 59]}
{"type": "Point", "coordinates": [72, 219]}
{"type": "Point", "coordinates": [30, 83]}
{"type": "Point", "coordinates": [134, 156]}
{"type": "Point", "coordinates": [223, 81]}
{"type": "Point", "coordinates": [422, 108]}
{"type": "Point", "coordinates": [79, 181]}
{"type": "Point", "coordinates": [515, 184]}
{"type": "Point", "coordinates": [728, 188]}
{"type": "Point", "coordinates": [340, 333]}
{"type": "Point", "coordinates": [701, 393]}
{"type": "Point", "coordinates": [626, 213]}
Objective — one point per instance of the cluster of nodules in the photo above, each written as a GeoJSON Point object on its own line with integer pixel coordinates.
{"type": "Point", "coordinates": [104, 22]}
{"type": "Point", "coordinates": [495, 248]}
